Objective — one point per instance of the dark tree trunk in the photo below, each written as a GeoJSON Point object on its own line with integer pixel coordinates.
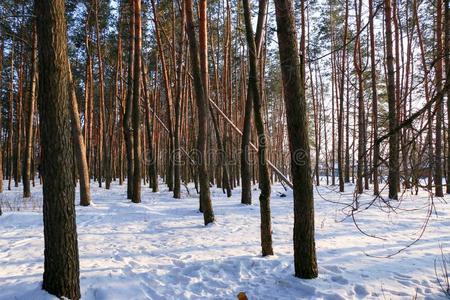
{"type": "Point", "coordinates": [127, 127]}
{"type": "Point", "coordinates": [361, 174]}
{"type": "Point", "coordinates": [10, 120]}
{"type": "Point", "coordinates": [61, 264]}
{"type": "Point", "coordinates": [264, 177]}
{"type": "Point", "coordinates": [102, 143]}
{"type": "Point", "coordinates": [376, 146]}
{"type": "Point", "coordinates": [153, 176]}
{"type": "Point", "coordinates": [246, 184]}
{"type": "Point", "coordinates": [447, 73]}
{"type": "Point", "coordinates": [202, 107]}
{"type": "Point", "coordinates": [2, 45]}
{"type": "Point", "coordinates": [439, 111]}
{"type": "Point", "coordinates": [341, 104]}
{"type": "Point", "coordinates": [297, 123]}
{"type": "Point", "coordinates": [136, 104]}
{"type": "Point", "coordinates": [393, 176]}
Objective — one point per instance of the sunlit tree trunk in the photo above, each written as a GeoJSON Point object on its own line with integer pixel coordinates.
{"type": "Point", "coordinates": [297, 123]}
{"type": "Point", "coordinates": [27, 159]}
{"type": "Point", "coordinates": [202, 108]}
{"type": "Point", "coordinates": [61, 264]}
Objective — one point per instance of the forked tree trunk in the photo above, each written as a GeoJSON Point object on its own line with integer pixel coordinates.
{"type": "Point", "coordinates": [61, 264]}
{"type": "Point", "coordinates": [297, 124]}
{"type": "Point", "coordinates": [246, 173]}
{"type": "Point", "coordinates": [202, 108]}
{"type": "Point", "coordinates": [264, 177]}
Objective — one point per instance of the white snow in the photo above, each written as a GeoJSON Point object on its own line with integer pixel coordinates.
{"type": "Point", "coordinates": [159, 249]}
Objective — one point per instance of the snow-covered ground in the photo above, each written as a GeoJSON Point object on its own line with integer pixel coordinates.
{"type": "Point", "coordinates": [159, 249]}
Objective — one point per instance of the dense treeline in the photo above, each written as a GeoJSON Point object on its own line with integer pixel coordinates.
{"type": "Point", "coordinates": [225, 93]}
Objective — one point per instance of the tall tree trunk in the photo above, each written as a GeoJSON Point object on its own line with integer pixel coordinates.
{"type": "Point", "coordinates": [246, 194]}
{"type": "Point", "coordinates": [19, 103]}
{"type": "Point", "coordinates": [361, 174]}
{"type": "Point", "coordinates": [341, 104]}
{"type": "Point", "coordinates": [178, 101]}
{"type": "Point", "coordinates": [447, 74]}
{"type": "Point", "coordinates": [393, 176]}
{"type": "Point", "coordinates": [2, 46]}
{"type": "Point", "coordinates": [264, 177]}
{"type": "Point", "coordinates": [29, 127]}
{"type": "Point", "coordinates": [10, 118]}
{"type": "Point", "coordinates": [202, 108]}
{"type": "Point", "coordinates": [101, 102]}
{"type": "Point", "coordinates": [169, 100]}
{"type": "Point", "coordinates": [373, 73]}
{"type": "Point", "coordinates": [439, 111]}
{"type": "Point", "coordinates": [61, 264]}
{"type": "Point", "coordinates": [127, 127]}
{"type": "Point", "coordinates": [136, 103]}
{"type": "Point", "coordinates": [347, 130]}
{"type": "Point", "coordinates": [297, 121]}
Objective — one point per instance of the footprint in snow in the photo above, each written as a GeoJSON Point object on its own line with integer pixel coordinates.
{"type": "Point", "coordinates": [334, 269]}
{"type": "Point", "coordinates": [339, 279]}
{"type": "Point", "coordinates": [360, 291]}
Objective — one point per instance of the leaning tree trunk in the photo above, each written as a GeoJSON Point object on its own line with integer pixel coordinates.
{"type": "Point", "coordinates": [393, 176]}
{"type": "Point", "coordinates": [297, 121]}
{"type": "Point", "coordinates": [264, 177]}
{"type": "Point", "coordinates": [29, 129]}
{"type": "Point", "coordinates": [61, 264]}
{"type": "Point", "coordinates": [202, 108]}
{"type": "Point", "coordinates": [79, 146]}
{"type": "Point", "coordinates": [246, 193]}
